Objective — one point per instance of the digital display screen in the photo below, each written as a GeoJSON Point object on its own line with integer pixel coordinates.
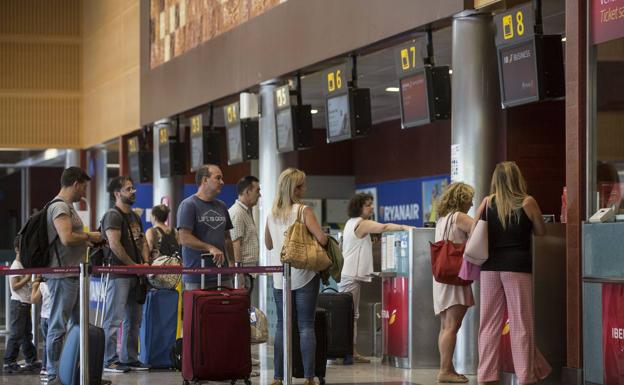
{"type": "Point", "coordinates": [284, 129]}
{"type": "Point", "coordinates": [134, 163]}
{"type": "Point", "coordinates": [518, 74]}
{"type": "Point", "coordinates": [338, 120]}
{"type": "Point", "coordinates": [414, 100]}
{"type": "Point", "coordinates": [165, 160]}
{"type": "Point", "coordinates": [197, 151]}
{"type": "Point", "coordinates": [234, 144]}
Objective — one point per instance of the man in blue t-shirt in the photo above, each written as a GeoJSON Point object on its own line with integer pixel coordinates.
{"type": "Point", "coordinates": [203, 226]}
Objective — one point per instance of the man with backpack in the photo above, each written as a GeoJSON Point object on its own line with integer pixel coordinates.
{"type": "Point", "coordinates": [67, 246]}
{"type": "Point", "coordinates": [125, 294]}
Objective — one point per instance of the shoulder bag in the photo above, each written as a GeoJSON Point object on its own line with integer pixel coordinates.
{"type": "Point", "coordinates": [446, 258]}
{"type": "Point", "coordinates": [301, 250]}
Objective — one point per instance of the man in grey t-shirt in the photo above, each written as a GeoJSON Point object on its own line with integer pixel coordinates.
{"type": "Point", "coordinates": [69, 247]}
{"type": "Point", "coordinates": [203, 225]}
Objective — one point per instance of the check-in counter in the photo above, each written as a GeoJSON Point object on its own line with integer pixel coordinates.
{"type": "Point", "coordinates": [409, 327]}
{"type": "Point", "coordinates": [603, 302]}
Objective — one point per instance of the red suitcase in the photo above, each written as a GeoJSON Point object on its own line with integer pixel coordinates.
{"type": "Point", "coordinates": [217, 336]}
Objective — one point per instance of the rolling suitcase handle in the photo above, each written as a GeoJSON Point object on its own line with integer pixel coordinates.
{"type": "Point", "coordinates": [204, 257]}
{"type": "Point", "coordinates": [329, 288]}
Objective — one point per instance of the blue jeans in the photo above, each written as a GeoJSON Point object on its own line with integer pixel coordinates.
{"type": "Point", "coordinates": [304, 306]}
{"type": "Point", "coordinates": [64, 312]}
{"type": "Point", "coordinates": [121, 308]}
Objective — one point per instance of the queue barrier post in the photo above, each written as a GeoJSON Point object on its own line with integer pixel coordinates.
{"type": "Point", "coordinates": [287, 327]}
{"type": "Point", "coordinates": [7, 303]}
{"type": "Point", "coordinates": [84, 323]}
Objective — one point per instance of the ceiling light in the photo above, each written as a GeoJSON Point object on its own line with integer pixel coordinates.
{"type": "Point", "coordinates": [313, 111]}
{"type": "Point", "coordinates": [563, 39]}
{"type": "Point", "coordinates": [392, 89]}
{"type": "Point", "coordinates": [450, 71]}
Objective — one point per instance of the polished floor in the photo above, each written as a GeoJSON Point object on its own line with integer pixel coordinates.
{"type": "Point", "coordinates": [374, 373]}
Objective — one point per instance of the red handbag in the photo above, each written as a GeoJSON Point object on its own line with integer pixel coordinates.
{"type": "Point", "coordinates": [447, 257]}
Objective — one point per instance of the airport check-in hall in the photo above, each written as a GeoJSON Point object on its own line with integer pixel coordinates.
{"type": "Point", "coordinates": [311, 192]}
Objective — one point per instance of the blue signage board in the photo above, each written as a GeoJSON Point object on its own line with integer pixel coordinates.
{"type": "Point", "coordinates": [407, 201]}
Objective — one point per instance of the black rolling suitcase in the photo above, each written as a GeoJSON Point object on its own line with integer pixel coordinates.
{"type": "Point", "coordinates": [340, 315]}
{"type": "Point", "coordinates": [320, 329]}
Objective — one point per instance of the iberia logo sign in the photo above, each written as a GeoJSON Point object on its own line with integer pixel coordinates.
{"type": "Point", "coordinates": [391, 317]}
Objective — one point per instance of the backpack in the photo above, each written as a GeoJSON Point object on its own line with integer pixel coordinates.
{"type": "Point", "coordinates": [35, 250]}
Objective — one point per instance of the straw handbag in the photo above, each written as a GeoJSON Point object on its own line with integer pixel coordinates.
{"type": "Point", "coordinates": [301, 250]}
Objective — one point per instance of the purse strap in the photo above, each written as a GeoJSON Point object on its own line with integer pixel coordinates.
{"type": "Point", "coordinates": [447, 228]}
{"type": "Point", "coordinates": [300, 213]}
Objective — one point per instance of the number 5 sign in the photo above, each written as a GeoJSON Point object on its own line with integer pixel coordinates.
{"type": "Point", "coordinates": [516, 24]}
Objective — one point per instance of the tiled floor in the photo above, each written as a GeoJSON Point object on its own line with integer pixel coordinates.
{"type": "Point", "coordinates": [362, 374]}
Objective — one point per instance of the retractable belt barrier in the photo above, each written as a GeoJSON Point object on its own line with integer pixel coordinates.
{"type": "Point", "coordinates": [85, 270]}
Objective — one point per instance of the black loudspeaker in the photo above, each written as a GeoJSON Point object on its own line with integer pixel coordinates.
{"type": "Point", "coordinates": [361, 107]}
{"type": "Point", "coordinates": [251, 132]}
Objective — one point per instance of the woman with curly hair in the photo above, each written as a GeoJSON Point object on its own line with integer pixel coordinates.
{"type": "Point", "coordinates": [450, 302]}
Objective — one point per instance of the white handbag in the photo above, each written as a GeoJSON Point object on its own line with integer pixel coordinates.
{"type": "Point", "coordinates": [476, 251]}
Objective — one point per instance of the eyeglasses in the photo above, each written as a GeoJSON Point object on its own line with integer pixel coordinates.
{"type": "Point", "coordinates": [129, 189]}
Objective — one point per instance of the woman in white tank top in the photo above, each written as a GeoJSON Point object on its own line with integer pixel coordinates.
{"type": "Point", "coordinates": [357, 251]}
{"type": "Point", "coordinates": [451, 301]}
{"type": "Point", "coordinates": [305, 283]}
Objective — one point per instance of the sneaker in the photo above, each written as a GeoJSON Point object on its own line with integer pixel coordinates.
{"type": "Point", "coordinates": [116, 367]}
{"type": "Point", "coordinates": [13, 367]}
{"type": "Point", "coordinates": [255, 362]}
{"type": "Point", "coordinates": [43, 372]}
{"type": "Point", "coordinates": [33, 367]}
{"type": "Point", "coordinates": [358, 359]}
{"type": "Point", "coordinates": [137, 366]}
{"type": "Point", "coordinates": [254, 374]}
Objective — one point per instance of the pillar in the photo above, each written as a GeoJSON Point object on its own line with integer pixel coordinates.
{"type": "Point", "coordinates": [475, 118]}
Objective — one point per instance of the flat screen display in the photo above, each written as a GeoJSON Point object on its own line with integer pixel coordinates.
{"type": "Point", "coordinates": [234, 144]}
{"type": "Point", "coordinates": [338, 120]}
{"type": "Point", "coordinates": [414, 100]}
{"type": "Point", "coordinates": [284, 127]}
{"type": "Point", "coordinates": [519, 74]}
{"type": "Point", "coordinates": [197, 151]}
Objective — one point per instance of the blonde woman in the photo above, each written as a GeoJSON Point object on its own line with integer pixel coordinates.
{"type": "Point", "coordinates": [305, 283]}
{"type": "Point", "coordinates": [506, 277]}
{"type": "Point", "coordinates": [450, 302]}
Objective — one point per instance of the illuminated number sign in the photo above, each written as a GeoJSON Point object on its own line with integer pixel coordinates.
{"type": "Point", "coordinates": [515, 24]}
{"type": "Point", "coordinates": [196, 125]}
{"type": "Point", "coordinates": [231, 114]}
{"type": "Point", "coordinates": [163, 135]}
{"type": "Point", "coordinates": [335, 80]}
{"type": "Point", "coordinates": [282, 97]}
{"type": "Point", "coordinates": [408, 58]}
{"type": "Point", "coordinates": [133, 145]}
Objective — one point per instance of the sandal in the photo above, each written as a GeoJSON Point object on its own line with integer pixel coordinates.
{"type": "Point", "coordinates": [452, 378]}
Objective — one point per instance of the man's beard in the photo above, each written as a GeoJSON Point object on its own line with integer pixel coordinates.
{"type": "Point", "coordinates": [128, 200]}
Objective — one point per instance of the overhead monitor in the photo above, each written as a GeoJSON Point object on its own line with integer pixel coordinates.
{"type": "Point", "coordinates": [518, 68]}
{"type": "Point", "coordinates": [414, 100]}
{"type": "Point", "coordinates": [338, 118]}
{"type": "Point", "coordinates": [234, 144]}
{"type": "Point", "coordinates": [284, 129]}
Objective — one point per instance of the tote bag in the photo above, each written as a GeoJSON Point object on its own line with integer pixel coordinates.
{"type": "Point", "coordinates": [476, 251]}
{"type": "Point", "coordinates": [301, 250]}
{"type": "Point", "coordinates": [446, 258]}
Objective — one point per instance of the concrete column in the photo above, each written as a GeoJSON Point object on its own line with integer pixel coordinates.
{"type": "Point", "coordinates": [72, 158]}
{"type": "Point", "coordinates": [173, 187]}
{"type": "Point", "coordinates": [102, 199]}
{"type": "Point", "coordinates": [269, 167]}
{"type": "Point", "coordinates": [475, 118]}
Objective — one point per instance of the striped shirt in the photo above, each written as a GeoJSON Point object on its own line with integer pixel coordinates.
{"type": "Point", "coordinates": [245, 230]}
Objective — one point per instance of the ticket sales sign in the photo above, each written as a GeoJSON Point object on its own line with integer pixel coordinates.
{"type": "Point", "coordinates": [607, 20]}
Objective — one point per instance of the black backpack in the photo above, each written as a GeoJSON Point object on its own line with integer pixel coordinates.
{"type": "Point", "coordinates": [35, 250]}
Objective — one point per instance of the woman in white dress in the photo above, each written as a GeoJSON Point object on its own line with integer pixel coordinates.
{"type": "Point", "coordinates": [450, 302]}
